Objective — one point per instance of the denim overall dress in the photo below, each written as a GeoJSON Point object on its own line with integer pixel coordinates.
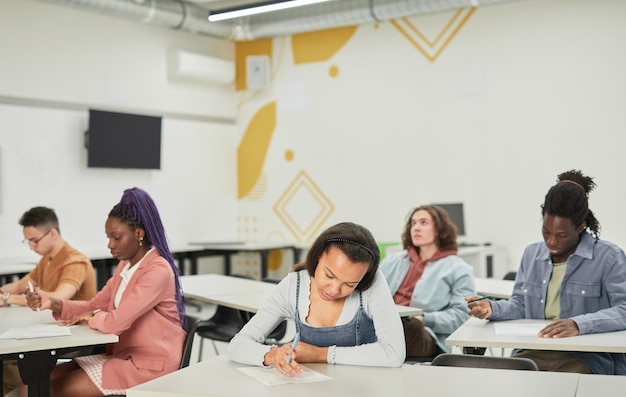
{"type": "Point", "coordinates": [360, 330]}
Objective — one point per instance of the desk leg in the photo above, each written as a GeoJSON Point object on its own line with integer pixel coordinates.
{"type": "Point", "coordinates": [264, 254]}
{"type": "Point", "coordinates": [193, 263]}
{"type": "Point", "coordinates": [489, 263]}
{"type": "Point", "coordinates": [35, 368]}
{"type": "Point", "coordinates": [227, 264]}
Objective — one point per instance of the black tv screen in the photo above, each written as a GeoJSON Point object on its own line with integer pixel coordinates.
{"type": "Point", "coordinates": [121, 140]}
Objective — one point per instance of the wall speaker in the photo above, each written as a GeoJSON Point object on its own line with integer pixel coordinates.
{"type": "Point", "coordinates": [257, 71]}
{"type": "Point", "coordinates": [195, 67]}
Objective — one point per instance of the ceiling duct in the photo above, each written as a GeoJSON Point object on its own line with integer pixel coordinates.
{"type": "Point", "coordinates": [187, 16]}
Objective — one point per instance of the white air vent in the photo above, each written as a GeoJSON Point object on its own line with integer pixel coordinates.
{"type": "Point", "coordinates": [195, 67]}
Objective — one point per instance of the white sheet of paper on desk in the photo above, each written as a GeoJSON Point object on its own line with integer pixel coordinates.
{"type": "Point", "coordinates": [517, 329]}
{"type": "Point", "coordinates": [270, 376]}
{"type": "Point", "coordinates": [36, 331]}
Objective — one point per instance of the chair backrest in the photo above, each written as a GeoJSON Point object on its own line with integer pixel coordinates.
{"type": "Point", "coordinates": [190, 327]}
{"type": "Point", "coordinates": [476, 361]}
{"type": "Point", "coordinates": [510, 276]}
{"type": "Point", "coordinates": [279, 333]}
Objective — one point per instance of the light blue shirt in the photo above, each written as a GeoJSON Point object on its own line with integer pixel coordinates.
{"type": "Point", "coordinates": [593, 293]}
{"type": "Point", "coordinates": [440, 291]}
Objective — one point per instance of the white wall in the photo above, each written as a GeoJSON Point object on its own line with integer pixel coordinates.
{"type": "Point", "coordinates": [56, 63]}
{"type": "Point", "coordinates": [525, 91]}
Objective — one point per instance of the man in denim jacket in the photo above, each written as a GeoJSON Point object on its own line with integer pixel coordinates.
{"type": "Point", "coordinates": [573, 278]}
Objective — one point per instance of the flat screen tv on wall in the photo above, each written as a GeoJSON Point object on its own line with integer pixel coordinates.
{"type": "Point", "coordinates": [122, 140]}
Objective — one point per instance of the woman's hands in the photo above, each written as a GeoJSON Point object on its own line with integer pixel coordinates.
{"type": "Point", "coordinates": [81, 318]}
{"type": "Point", "coordinates": [278, 358]}
{"type": "Point", "coordinates": [39, 300]}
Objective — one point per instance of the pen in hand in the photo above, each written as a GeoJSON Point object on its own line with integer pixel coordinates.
{"type": "Point", "coordinates": [31, 289]}
{"type": "Point", "coordinates": [296, 339]}
{"type": "Point", "coordinates": [480, 299]}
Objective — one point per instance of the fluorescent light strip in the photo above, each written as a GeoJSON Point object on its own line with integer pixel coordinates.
{"type": "Point", "coordinates": [259, 8]}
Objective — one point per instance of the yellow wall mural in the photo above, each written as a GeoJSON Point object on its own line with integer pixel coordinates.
{"type": "Point", "coordinates": [253, 148]}
{"type": "Point", "coordinates": [320, 45]}
{"type": "Point", "coordinates": [432, 48]}
{"type": "Point", "coordinates": [311, 47]}
{"type": "Point", "coordinates": [243, 49]}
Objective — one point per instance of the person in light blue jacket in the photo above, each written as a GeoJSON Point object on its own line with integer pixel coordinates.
{"type": "Point", "coordinates": [572, 278]}
{"type": "Point", "coordinates": [428, 274]}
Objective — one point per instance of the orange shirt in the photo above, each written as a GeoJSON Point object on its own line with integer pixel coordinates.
{"type": "Point", "coordinates": [68, 266]}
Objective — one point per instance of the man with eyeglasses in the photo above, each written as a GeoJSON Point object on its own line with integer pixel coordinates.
{"type": "Point", "coordinates": [62, 272]}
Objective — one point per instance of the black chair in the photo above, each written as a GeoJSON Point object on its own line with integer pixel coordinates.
{"type": "Point", "coordinates": [474, 361]}
{"type": "Point", "coordinates": [227, 322]}
{"type": "Point", "coordinates": [418, 359]}
{"type": "Point", "coordinates": [190, 326]}
{"type": "Point", "coordinates": [223, 326]}
{"type": "Point", "coordinates": [510, 276]}
{"type": "Point", "coordinates": [279, 333]}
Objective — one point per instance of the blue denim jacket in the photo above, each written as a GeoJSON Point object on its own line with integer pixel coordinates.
{"type": "Point", "coordinates": [593, 293]}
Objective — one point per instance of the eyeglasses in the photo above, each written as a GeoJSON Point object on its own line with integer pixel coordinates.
{"type": "Point", "coordinates": [35, 241]}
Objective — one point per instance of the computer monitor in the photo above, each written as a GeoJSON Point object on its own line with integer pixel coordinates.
{"type": "Point", "coordinates": [455, 212]}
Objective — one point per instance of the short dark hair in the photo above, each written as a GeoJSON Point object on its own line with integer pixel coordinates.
{"type": "Point", "coordinates": [355, 241]}
{"type": "Point", "coordinates": [569, 198]}
{"type": "Point", "coordinates": [40, 217]}
{"type": "Point", "coordinates": [446, 230]}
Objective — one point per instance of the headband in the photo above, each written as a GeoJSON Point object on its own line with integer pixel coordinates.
{"type": "Point", "coordinates": [575, 183]}
{"type": "Point", "coordinates": [343, 240]}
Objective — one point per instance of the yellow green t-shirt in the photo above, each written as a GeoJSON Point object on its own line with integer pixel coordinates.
{"type": "Point", "coordinates": [553, 304]}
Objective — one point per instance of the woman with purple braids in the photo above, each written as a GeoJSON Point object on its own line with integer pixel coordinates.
{"type": "Point", "coordinates": [142, 303]}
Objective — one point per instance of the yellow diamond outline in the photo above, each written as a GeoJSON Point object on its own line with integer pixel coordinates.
{"type": "Point", "coordinates": [413, 34]}
{"type": "Point", "coordinates": [303, 180]}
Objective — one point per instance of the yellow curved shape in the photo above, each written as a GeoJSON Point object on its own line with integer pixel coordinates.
{"type": "Point", "coordinates": [274, 260]}
{"type": "Point", "coordinates": [319, 45]}
{"type": "Point", "coordinates": [253, 148]}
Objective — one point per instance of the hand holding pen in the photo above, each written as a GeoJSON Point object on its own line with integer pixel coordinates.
{"type": "Point", "coordinates": [296, 339]}
{"type": "Point", "coordinates": [285, 364]}
{"type": "Point", "coordinates": [32, 297]}
{"type": "Point", "coordinates": [479, 306]}
{"type": "Point", "coordinates": [36, 299]}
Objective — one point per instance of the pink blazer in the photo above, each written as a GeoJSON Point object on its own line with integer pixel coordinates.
{"type": "Point", "coordinates": [146, 320]}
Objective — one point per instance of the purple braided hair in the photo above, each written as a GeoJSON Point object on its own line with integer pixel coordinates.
{"type": "Point", "coordinates": [138, 208]}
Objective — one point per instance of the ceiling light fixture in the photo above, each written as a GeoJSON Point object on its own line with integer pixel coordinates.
{"type": "Point", "coordinates": [257, 8]}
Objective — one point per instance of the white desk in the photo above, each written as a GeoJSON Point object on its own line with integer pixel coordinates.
{"type": "Point", "coordinates": [242, 294]}
{"type": "Point", "coordinates": [36, 357]}
{"type": "Point", "coordinates": [13, 267]}
{"type": "Point", "coordinates": [481, 333]}
{"type": "Point", "coordinates": [601, 386]}
{"type": "Point", "coordinates": [496, 288]}
{"type": "Point", "coordinates": [219, 377]}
